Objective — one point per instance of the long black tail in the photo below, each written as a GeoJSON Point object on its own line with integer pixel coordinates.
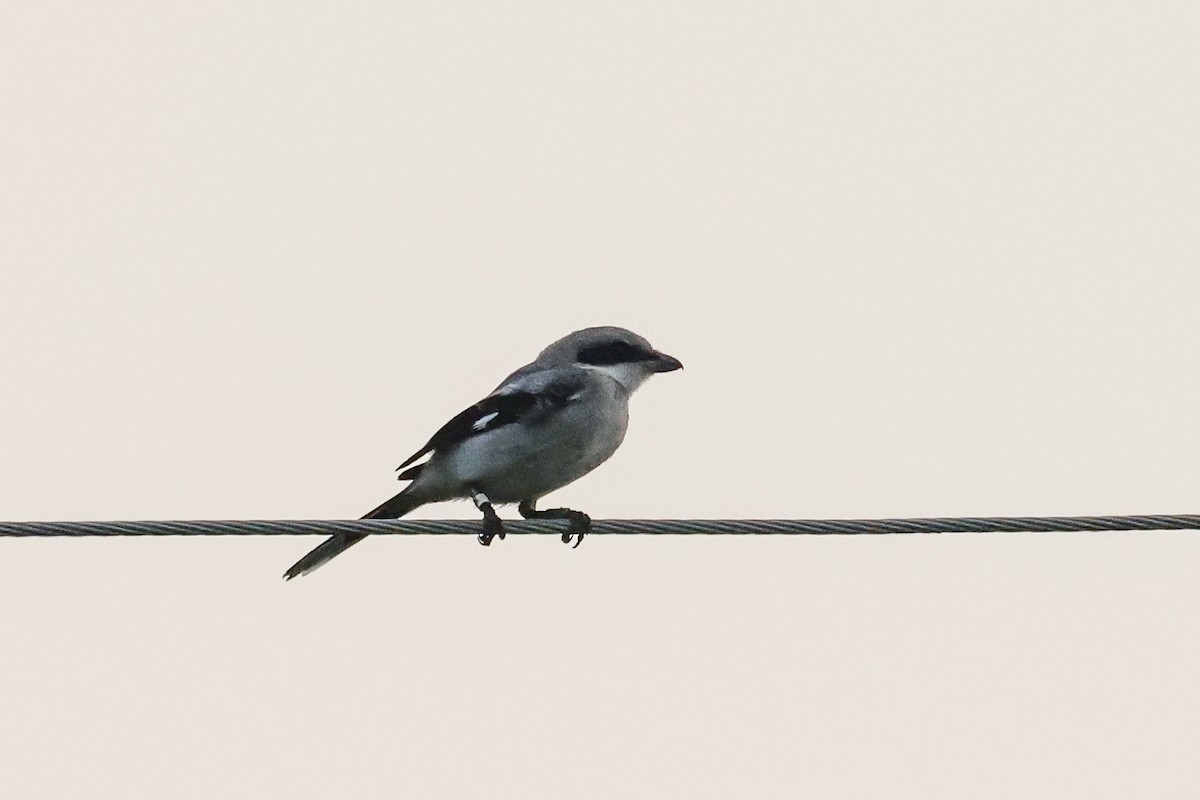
{"type": "Point", "coordinates": [395, 508]}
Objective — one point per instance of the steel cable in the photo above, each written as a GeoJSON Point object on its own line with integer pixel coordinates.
{"type": "Point", "coordinates": [640, 527]}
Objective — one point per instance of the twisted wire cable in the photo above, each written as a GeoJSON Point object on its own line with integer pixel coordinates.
{"type": "Point", "coordinates": [618, 527]}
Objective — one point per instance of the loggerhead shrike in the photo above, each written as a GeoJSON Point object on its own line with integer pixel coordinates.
{"type": "Point", "coordinates": [547, 424]}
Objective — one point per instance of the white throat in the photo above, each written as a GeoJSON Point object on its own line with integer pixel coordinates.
{"type": "Point", "coordinates": [630, 376]}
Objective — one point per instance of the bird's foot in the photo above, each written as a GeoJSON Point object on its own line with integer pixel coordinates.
{"type": "Point", "coordinates": [579, 524]}
{"type": "Point", "coordinates": [493, 526]}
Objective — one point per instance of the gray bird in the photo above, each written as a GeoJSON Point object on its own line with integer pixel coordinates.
{"type": "Point", "coordinates": [546, 425]}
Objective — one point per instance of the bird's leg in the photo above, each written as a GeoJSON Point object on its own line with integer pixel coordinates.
{"type": "Point", "coordinates": [492, 526]}
{"type": "Point", "coordinates": [579, 524]}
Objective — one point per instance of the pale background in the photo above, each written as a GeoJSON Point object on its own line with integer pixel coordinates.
{"type": "Point", "coordinates": [919, 259]}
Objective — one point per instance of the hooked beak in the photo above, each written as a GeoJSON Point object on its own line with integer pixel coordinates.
{"type": "Point", "coordinates": [661, 362]}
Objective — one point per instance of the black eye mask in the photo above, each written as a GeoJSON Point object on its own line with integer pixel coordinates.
{"type": "Point", "coordinates": [609, 353]}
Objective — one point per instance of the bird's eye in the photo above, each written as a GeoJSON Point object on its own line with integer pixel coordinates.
{"type": "Point", "coordinates": [608, 353]}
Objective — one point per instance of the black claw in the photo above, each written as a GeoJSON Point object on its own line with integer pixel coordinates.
{"type": "Point", "coordinates": [580, 526]}
{"type": "Point", "coordinates": [492, 528]}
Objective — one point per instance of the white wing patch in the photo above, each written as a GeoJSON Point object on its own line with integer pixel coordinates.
{"type": "Point", "coordinates": [483, 421]}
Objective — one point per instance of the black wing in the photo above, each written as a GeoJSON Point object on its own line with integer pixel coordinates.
{"type": "Point", "coordinates": [505, 408]}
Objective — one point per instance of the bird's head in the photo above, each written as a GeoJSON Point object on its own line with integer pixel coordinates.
{"type": "Point", "coordinates": [621, 354]}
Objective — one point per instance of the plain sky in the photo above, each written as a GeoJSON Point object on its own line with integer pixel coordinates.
{"type": "Point", "coordinates": [920, 259]}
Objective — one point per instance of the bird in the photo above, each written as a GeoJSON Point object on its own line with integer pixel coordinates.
{"type": "Point", "coordinates": [546, 425]}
